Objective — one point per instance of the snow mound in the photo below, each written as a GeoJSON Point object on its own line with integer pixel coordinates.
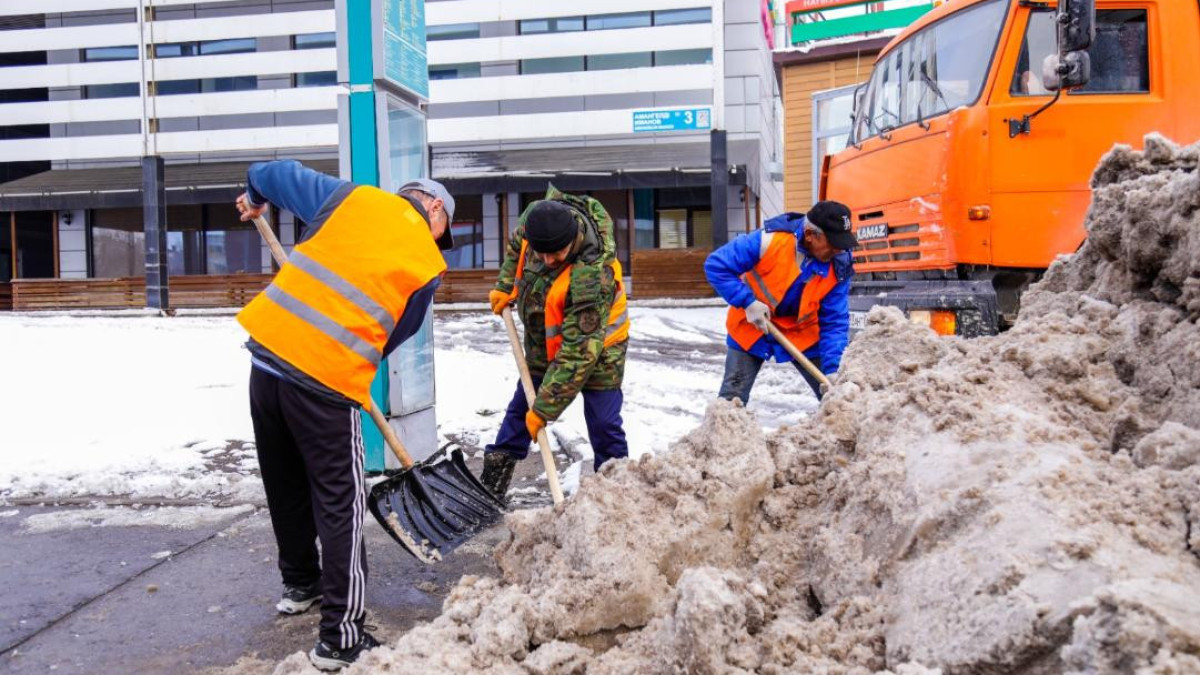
{"type": "Point", "coordinates": [1015, 504]}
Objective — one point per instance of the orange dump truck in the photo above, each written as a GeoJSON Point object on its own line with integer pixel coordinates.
{"type": "Point", "coordinates": [968, 164]}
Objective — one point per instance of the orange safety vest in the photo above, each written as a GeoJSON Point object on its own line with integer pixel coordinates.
{"type": "Point", "coordinates": [556, 305]}
{"type": "Point", "coordinates": [777, 269]}
{"type": "Point", "coordinates": [331, 308]}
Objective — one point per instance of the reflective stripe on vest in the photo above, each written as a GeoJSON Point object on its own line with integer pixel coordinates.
{"type": "Point", "coordinates": [331, 309]}
{"type": "Point", "coordinates": [777, 270]}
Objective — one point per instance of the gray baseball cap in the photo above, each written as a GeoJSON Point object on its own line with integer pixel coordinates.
{"type": "Point", "coordinates": [438, 191]}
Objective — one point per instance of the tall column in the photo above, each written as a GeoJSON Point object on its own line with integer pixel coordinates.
{"type": "Point", "coordinates": [154, 219]}
{"type": "Point", "coordinates": [720, 187]}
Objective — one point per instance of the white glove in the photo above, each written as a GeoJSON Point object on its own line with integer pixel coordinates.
{"type": "Point", "coordinates": [759, 314]}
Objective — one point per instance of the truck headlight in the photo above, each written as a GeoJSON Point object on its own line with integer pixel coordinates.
{"type": "Point", "coordinates": [942, 321]}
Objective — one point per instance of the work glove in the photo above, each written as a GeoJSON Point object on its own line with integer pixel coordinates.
{"type": "Point", "coordinates": [759, 315]}
{"type": "Point", "coordinates": [534, 423]}
{"type": "Point", "coordinates": [499, 300]}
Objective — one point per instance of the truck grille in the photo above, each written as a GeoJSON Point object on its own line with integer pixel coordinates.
{"type": "Point", "coordinates": [881, 251]}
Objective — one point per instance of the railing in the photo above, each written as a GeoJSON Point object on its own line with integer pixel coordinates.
{"type": "Point", "coordinates": [233, 290]}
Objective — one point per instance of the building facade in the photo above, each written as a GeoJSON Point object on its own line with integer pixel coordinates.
{"type": "Point", "coordinates": [666, 110]}
{"type": "Point", "coordinates": [828, 50]}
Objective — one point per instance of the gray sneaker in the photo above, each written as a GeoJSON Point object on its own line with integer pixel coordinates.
{"type": "Point", "coordinates": [297, 599]}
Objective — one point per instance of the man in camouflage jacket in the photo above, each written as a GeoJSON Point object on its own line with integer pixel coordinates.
{"type": "Point", "coordinates": [563, 234]}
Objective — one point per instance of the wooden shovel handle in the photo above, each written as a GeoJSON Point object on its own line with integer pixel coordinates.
{"type": "Point", "coordinates": [527, 383]}
{"type": "Point", "coordinates": [799, 356]}
{"type": "Point", "coordinates": [393, 441]}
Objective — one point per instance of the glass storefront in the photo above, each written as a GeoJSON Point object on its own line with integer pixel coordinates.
{"type": "Point", "coordinates": [406, 143]}
{"type": "Point", "coordinates": [201, 239]}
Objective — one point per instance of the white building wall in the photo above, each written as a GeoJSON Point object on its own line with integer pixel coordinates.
{"type": "Point", "coordinates": [500, 109]}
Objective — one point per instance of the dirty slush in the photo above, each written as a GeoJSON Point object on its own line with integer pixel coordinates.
{"type": "Point", "coordinates": [1025, 503]}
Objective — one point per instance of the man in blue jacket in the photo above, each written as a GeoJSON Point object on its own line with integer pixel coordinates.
{"type": "Point", "coordinates": [794, 273]}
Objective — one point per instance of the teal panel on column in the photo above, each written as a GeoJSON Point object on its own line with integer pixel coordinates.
{"type": "Point", "coordinates": [364, 170]}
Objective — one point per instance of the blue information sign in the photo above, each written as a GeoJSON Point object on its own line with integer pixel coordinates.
{"type": "Point", "coordinates": [689, 119]}
{"type": "Point", "coordinates": [405, 63]}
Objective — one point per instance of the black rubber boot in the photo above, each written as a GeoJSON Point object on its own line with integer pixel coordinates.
{"type": "Point", "coordinates": [497, 473]}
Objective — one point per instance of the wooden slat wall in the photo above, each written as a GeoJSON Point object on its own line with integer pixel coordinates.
{"type": "Point", "coordinates": [670, 273]}
{"type": "Point", "coordinates": [234, 290]}
{"type": "Point", "coordinates": [799, 83]}
{"type": "Point", "coordinates": [466, 286]}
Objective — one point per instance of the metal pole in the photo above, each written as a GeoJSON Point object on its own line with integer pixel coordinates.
{"type": "Point", "coordinates": [720, 188]}
{"type": "Point", "coordinates": [12, 239]}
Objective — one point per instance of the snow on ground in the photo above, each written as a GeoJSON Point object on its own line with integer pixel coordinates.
{"type": "Point", "coordinates": [140, 406]}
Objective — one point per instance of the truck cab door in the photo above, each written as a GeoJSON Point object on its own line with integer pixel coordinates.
{"type": "Point", "coordinates": [1040, 178]}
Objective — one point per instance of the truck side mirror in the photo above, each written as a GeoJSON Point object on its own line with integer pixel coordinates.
{"type": "Point", "coordinates": [1076, 25]}
{"type": "Point", "coordinates": [1071, 67]}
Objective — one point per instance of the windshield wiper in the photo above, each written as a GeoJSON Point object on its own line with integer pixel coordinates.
{"type": "Point", "coordinates": [932, 85]}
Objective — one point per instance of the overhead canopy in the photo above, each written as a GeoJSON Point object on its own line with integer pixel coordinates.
{"type": "Point", "coordinates": [602, 167]}
{"type": "Point", "coordinates": [121, 187]}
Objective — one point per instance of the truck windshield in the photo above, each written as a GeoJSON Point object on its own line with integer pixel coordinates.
{"type": "Point", "coordinates": [936, 70]}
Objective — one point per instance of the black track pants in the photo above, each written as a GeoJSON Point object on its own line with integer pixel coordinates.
{"type": "Point", "coordinates": [310, 453]}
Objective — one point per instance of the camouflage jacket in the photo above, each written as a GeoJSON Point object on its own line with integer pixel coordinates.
{"type": "Point", "coordinates": [583, 362]}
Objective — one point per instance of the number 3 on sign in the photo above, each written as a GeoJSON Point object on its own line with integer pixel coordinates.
{"type": "Point", "coordinates": [687, 117]}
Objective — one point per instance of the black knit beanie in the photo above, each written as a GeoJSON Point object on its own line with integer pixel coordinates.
{"type": "Point", "coordinates": [550, 226]}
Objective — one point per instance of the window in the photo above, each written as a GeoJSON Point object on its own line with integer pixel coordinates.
{"type": "Point", "coordinates": [468, 233]}
{"type": "Point", "coordinates": [406, 143]}
{"type": "Point", "coordinates": [934, 71]}
{"type": "Point", "coordinates": [615, 21]}
{"type": "Point", "coordinates": [314, 41]}
{"type": "Point", "coordinates": [682, 57]}
{"type": "Point", "coordinates": [172, 50]}
{"type": "Point", "coordinates": [208, 86]}
{"type": "Point", "coordinates": [1119, 54]}
{"type": "Point", "coordinates": [619, 61]}
{"type": "Point", "coordinates": [201, 239]}
{"type": "Point", "coordinates": [672, 17]}
{"type": "Point", "coordinates": [454, 71]}
{"type": "Point", "coordinates": [96, 54]}
{"type": "Point", "coordinates": [118, 243]}
{"type": "Point", "coordinates": [324, 78]}
{"type": "Point", "coordinates": [672, 228]}
{"type": "Point", "coordinates": [831, 126]}
{"type": "Point", "coordinates": [108, 54]}
{"type": "Point", "coordinates": [683, 218]}
{"type": "Point", "coordinates": [458, 31]}
{"type": "Point", "coordinates": [562, 64]}
{"type": "Point", "coordinates": [643, 218]}
{"type": "Point", "coordinates": [119, 90]}
{"type": "Point", "coordinates": [559, 25]}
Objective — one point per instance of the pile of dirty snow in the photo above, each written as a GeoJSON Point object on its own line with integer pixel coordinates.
{"type": "Point", "coordinates": [1014, 504]}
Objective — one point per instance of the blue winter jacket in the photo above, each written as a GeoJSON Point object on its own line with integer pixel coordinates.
{"type": "Point", "coordinates": [725, 267]}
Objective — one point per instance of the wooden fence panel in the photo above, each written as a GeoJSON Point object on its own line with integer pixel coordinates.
{"type": "Point", "coordinates": [466, 286]}
{"type": "Point", "coordinates": [670, 273]}
{"type": "Point", "coordinates": [233, 290]}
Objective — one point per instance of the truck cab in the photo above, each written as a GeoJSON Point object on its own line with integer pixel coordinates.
{"type": "Point", "coordinates": [967, 175]}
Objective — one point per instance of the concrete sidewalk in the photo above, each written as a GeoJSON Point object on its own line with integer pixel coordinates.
{"type": "Point", "coordinates": [108, 600]}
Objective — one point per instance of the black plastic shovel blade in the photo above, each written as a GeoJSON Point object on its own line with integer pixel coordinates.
{"type": "Point", "coordinates": [431, 509]}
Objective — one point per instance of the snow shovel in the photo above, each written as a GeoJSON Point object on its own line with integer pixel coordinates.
{"type": "Point", "coordinates": [799, 356]}
{"type": "Point", "coordinates": [527, 383]}
{"type": "Point", "coordinates": [428, 508]}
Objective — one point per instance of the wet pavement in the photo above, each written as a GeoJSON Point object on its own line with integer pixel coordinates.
{"type": "Point", "coordinates": [107, 599]}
